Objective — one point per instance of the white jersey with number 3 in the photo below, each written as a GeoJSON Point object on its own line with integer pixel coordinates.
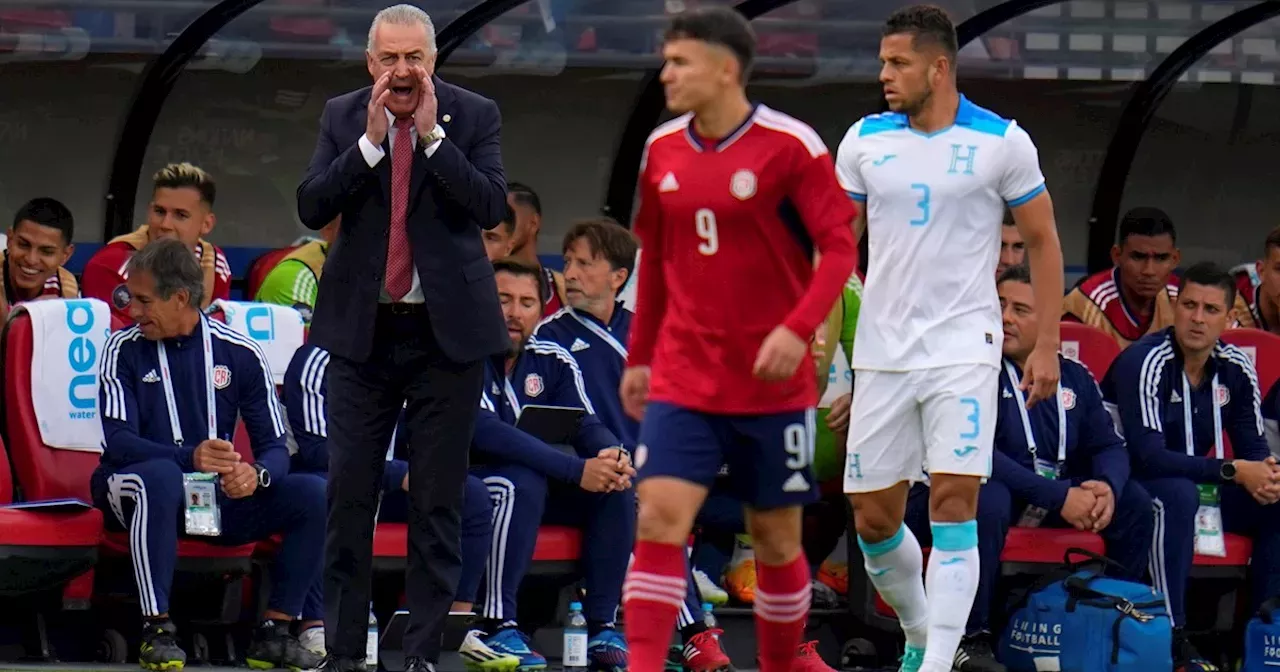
{"type": "Point", "coordinates": [934, 205]}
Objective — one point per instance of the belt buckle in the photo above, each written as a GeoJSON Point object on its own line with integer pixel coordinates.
{"type": "Point", "coordinates": [401, 308]}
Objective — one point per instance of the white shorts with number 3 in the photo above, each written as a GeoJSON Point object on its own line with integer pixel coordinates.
{"type": "Point", "coordinates": [906, 423]}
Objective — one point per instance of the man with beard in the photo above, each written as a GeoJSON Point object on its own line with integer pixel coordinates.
{"type": "Point", "coordinates": [181, 208]}
{"type": "Point", "coordinates": [39, 243]}
{"type": "Point", "coordinates": [534, 483]}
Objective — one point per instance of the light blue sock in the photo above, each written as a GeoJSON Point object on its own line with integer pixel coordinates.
{"type": "Point", "coordinates": [895, 567]}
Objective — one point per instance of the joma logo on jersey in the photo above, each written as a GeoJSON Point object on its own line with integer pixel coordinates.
{"type": "Point", "coordinates": [962, 159]}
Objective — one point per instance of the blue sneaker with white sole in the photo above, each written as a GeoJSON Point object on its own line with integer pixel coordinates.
{"type": "Point", "coordinates": [513, 642]}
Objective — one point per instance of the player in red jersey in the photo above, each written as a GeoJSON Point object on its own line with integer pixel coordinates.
{"type": "Point", "coordinates": [733, 200]}
{"type": "Point", "coordinates": [1258, 288]}
{"type": "Point", "coordinates": [181, 207]}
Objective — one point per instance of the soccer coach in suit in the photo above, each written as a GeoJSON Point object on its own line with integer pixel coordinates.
{"type": "Point", "coordinates": [408, 310]}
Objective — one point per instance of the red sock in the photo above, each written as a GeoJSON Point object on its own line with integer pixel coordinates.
{"type": "Point", "coordinates": [651, 597]}
{"type": "Point", "coordinates": [782, 605]}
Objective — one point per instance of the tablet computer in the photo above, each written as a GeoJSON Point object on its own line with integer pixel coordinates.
{"type": "Point", "coordinates": [551, 424]}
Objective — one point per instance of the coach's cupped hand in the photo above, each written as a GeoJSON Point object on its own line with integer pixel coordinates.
{"type": "Point", "coordinates": [1040, 375]}
{"type": "Point", "coordinates": [376, 125]}
{"type": "Point", "coordinates": [780, 354]}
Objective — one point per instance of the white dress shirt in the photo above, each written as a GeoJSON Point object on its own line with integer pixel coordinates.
{"type": "Point", "coordinates": [372, 155]}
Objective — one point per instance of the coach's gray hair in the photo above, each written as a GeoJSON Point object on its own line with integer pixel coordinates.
{"type": "Point", "coordinates": [403, 15]}
{"type": "Point", "coordinates": [172, 266]}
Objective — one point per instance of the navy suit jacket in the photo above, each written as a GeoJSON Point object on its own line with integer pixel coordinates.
{"type": "Point", "coordinates": [453, 194]}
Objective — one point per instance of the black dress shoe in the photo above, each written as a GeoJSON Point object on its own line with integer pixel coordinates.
{"type": "Point", "coordinates": [416, 664]}
{"type": "Point", "coordinates": [341, 664]}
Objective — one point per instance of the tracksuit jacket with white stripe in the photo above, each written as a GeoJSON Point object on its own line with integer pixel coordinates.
{"type": "Point", "coordinates": [135, 418]}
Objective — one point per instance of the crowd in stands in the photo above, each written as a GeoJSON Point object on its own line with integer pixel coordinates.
{"type": "Point", "coordinates": [1124, 452]}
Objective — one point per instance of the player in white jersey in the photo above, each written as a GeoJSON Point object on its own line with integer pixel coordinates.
{"type": "Point", "coordinates": [935, 174]}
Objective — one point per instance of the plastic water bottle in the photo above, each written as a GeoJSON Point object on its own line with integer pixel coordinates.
{"type": "Point", "coordinates": [371, 642]}
{"type": "Point", "coordinates": [708, 618]}
{"type": "Point", "coordinates": [575, 639]}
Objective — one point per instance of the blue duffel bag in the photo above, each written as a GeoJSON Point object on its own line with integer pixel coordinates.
{"type": "Point", "coordinates": [1076, 619]}
{"type": "Point", "coordinates": [1262, 640]}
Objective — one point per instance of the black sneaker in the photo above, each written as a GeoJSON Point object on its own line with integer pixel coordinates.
{"type": "Point", "coordinates": [975, 655]}
{"type": "Point", "coordinates": [273, 646]}
{"type": "Point", "coordinates": [342, 664]}
{"type": "Point", "coordinates": [1185, 656]}
{"type": "Point", "coordinates": [160, 650]}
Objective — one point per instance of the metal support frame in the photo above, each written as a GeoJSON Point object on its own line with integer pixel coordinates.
{"type": "Point", "coordinates": [1136, 118]}
{"type": "Point", "coordinates": [649, 103]}
{"type": "Point", "coordinates": [162, 72]}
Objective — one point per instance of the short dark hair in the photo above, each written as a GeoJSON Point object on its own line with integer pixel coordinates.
{"type": "Point", "coordinates": [186, 175]}
{"type": "Point", "coordinates": [606, 238]}
{"type": "Point", "coordinates": [172, 267]}
{"type": "Point", "coordinates": [1209, 274]}
{"type": "Point", "coordinates": [721, 26]}
{"type": "Point", "coordinates": [1015, 273]}
{"type": "Point", "coordinates": [519, 268]}
{"type": "Point", "coordinates": [1273, 240]}
{"type": "Point", "coordinates": [926, 24]}
{"type": "Point", "coordinates": [48, 212]}
{"type": "Point", "coordinates": [509, 219]}
{"type": "Point", "coordinates": [1008, 218]}
{"type": "Point", "coordinates": [525, 195]}
{"type": "Point", "coordinates": [1146, 221]}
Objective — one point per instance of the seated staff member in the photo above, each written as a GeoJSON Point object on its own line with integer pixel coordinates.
{"type": "Point", "coordinates": [305, 393]}
{"type": "Point", "coordinates": [38, 244]}
{"type": "Point", "coordinates": [181, 208]}
{"type": "Point", "coordinates": [1058, 464]}
{"type": "Point", "coordinates": [171, 389]}
{"type": "Point", "coordinates": [532, 483]}
{"type": "Point", "coordinates": [295, 280]}
{"type": "Point", "coordinates": [1175, 392]}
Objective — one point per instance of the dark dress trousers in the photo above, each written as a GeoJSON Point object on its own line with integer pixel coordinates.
{"type": "Point", "coordinates": [426, 357]}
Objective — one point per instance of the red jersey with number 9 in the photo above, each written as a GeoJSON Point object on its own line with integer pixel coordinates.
{"type": "Point", "coordinates": [729, 230]}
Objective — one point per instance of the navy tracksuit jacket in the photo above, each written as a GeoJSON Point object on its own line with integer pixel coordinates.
{"type": "Point", "coordinates": [1146, 388]}
{"type": "Point", "coordinates": [139, 483]}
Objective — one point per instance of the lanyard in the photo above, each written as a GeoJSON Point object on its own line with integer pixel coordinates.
{"type": "Point", "coordinates": [167, 379]}
{"type": "Point", "coordinates": [1026, 419]}
{"type": "Point", "coordinates": [1186, 417]}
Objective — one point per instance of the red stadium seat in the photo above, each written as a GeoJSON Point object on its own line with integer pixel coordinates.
{"type": "Point", "coordinates": [39, 549]}
{"type": "Point", "coordinates": [558, 548]}
{"type": "Point", "coordinates": [1263, 347]}
{"type": "Point", "coordinates": [303, 26]}
{"type": "Point", "coordinates": [1089, 346]}
{"type": "Point", "coordinates": [46, 473]}
{"type": "Point", "coordinates": [261, 266]}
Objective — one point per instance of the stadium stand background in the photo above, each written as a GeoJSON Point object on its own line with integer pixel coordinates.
{"type": "Point", "coordinates": [246, 108]}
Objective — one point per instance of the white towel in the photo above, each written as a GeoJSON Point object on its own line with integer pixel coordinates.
{"type": "Point", "coordinates": [278, 330]}
{"type": "Point", "coordinates": [69, 336]}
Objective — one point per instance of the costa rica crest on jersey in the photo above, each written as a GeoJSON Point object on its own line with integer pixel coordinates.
{"type": "Point", "coordinates": [1068, 398]}
{"type": "Point", "coordinates": [1221, 395]}
{"type": "Point", "coordinates": [743, 184]}
{"type": "Point", "coordinates": [221, 377]}
{"type": "Point", "coordinates": [532, 385]}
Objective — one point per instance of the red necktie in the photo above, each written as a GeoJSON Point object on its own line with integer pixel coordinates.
{"type": "Point", "coordinates": [399, 255]}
